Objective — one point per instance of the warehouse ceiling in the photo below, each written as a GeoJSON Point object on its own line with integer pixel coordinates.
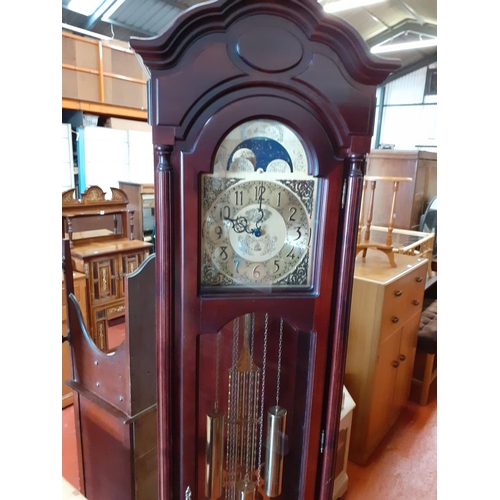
{"type": "Point", "coordinates": [382, 23]}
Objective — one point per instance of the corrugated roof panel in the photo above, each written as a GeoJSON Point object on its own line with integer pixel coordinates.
{"type": "Point", "coordinates": [427, 9]}
{"type": "Point", "coordinates": [363, 22]}
{"type": "Point", "coordinates": [160, 22]}
{"type": "Point", "coordinates": [390, 14]}
{"type": "Point", "coordinates": [145, 15]}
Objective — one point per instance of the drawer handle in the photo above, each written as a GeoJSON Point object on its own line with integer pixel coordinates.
{"type": "Point", "coordinates": [402, 357]}
{"type": "Point", "coordinates": [395, 319]}
{"type": "Point", "coordinates": [415, 302]}
{"type": "Point", "coordinates": [398, 293]}
{"type": "Point", "coordinates": [418, 279]}
{"type": "Point", "coordinates": [395, 364]}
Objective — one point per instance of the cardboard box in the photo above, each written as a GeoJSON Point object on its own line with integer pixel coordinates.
{"type": "Point", "coordinates": [123, 124]}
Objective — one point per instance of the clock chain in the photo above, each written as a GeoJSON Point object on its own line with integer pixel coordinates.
{"type": "Point", "coordinates": [231, 442]}
{"type": "Point", "coordinates": [263, 385]}
{"type": "Point", "coordinates": [246, 488]}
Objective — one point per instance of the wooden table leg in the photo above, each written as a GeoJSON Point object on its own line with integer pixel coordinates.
{"type": "Point", "coordinates": [392, 216]}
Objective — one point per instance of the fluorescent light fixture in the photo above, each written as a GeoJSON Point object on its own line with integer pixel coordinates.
{"type": "Point", "coordinates": [341, 5]}
{"type": "Point", "coordinates": [396, 47]}
{"type": "Point", "coordinates": [86, 32]}
{"type": "Point", "coordinates": [84, 7]}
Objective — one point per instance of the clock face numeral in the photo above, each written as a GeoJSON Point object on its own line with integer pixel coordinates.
{"type": "Point", "coordinates": [224, 213]}
{"type": "Point", "coordinates": [259, 233]}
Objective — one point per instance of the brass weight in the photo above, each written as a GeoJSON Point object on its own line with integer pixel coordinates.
{"type": "Point", "coordinates": [214, 455]}
{"type": "Point", "coordinates": [273, 471]}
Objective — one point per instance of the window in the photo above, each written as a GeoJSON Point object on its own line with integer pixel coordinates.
{"type": "Point", "coordinates": [431, 82]}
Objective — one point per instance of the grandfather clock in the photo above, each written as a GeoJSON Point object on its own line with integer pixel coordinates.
{"type": "Point", "coordinates": [262, 114]}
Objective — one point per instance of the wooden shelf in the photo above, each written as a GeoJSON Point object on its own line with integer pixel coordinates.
{"type": "Point", "coordinates": [103, 78]}
{"type": "Point", "coordinates": [104, 109]}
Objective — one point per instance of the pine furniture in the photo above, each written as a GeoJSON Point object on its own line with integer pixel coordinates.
{"type": "Point", "coordinates": [383, 330]}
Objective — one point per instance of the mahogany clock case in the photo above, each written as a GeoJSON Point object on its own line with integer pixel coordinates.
{"type": "Point", "coordinates": [305, 313]}
{"type": "Point", "coordinates": [221, 66]}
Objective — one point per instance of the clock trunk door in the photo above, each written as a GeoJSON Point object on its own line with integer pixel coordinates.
{"type": "Point", "coordinates": [253, 382]}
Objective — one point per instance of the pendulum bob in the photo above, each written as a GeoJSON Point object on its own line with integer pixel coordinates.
{"type": "Point", "coordinates": [245, 490]}
{"type": "Point", "coordinates": [214, 455]}
{"type": "Point", "coordinates": [273, 471]}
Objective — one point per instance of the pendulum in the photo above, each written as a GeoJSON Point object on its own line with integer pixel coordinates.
{"type": "Point", "coordinates": [276, 424]}
{"type": "Point", "coordinates": [246, 488]}
{"type": "Point", "coordinates": [242, 415]}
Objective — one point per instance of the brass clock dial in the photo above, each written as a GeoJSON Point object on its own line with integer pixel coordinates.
{"type": "Point", "coordinates": [258, 232]}
{"type": "Point", "coordinates": [258, 210]}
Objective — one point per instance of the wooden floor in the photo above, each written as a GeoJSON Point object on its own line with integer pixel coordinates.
{"type": "Point", "coordinates": [403, 466]}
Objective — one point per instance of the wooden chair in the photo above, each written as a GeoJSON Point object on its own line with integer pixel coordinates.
{"type": "Point", "coordinates": [365, 243]}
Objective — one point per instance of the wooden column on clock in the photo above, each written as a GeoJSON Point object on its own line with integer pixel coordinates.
{"type": "Point", "coordinates": [262, 115]}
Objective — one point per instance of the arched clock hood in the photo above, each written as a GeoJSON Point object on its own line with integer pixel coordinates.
{"type": "Point", "coordinates": [215, 49]}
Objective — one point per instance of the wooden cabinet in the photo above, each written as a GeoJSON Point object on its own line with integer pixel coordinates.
{"type": "Point", "coordinates": [104, 265]}
{"type": "Point", "coordinates": [104, 256]}
{"type": "Point", "coordinates": [383, 330]}
{"type": "Point", "coordinates": [412, 196]}
{"type": "Point", "coordinates": [142, 201]}
{"type": "Point", "coordinates": [79, 286]}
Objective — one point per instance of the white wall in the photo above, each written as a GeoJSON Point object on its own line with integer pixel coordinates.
{"type": "Point", "coordinates": [113, 155]}
{"type": "Point", "coordinates": [141, 157]}
{"type": "Point", "coordinates": [68, 178]}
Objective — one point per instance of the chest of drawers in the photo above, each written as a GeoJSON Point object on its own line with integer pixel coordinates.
{"type": "Point", "coordinates": [383, 330]}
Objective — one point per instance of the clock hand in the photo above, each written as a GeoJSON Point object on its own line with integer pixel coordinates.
{"type": "Point", "coordinates": [258, 228]}
{"type": "Point", "coordinates": [241, 225]}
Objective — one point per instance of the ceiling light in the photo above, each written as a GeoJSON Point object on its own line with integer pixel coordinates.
{"type": "Point", "coordinates": [84, 7]}
{"type": "Point", "coordinates": [396, 47]}
{"type": "Point", "coordinates": [85, 32]}
{"type": "Point", "coordinates": [341, 5]}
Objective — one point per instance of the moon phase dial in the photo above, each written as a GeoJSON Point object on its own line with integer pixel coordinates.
{"type": "Point", "coordinates": [257, 233]}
